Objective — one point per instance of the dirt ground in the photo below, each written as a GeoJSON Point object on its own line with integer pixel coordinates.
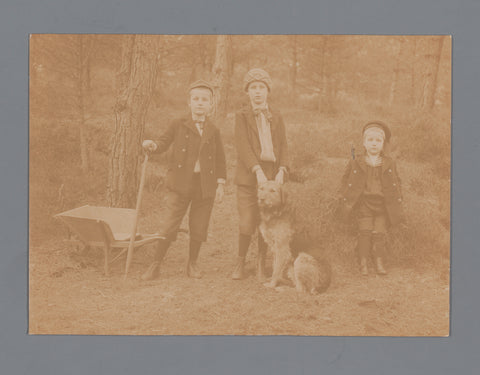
{"type": "Point", "coordinates": [70, 295]}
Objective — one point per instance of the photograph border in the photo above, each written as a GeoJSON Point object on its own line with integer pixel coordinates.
{"type": "Point", "coordinates": [20, 353]}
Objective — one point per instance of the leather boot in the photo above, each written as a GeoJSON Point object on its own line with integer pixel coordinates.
{"type": "Point", "coordinates": [243, 244]}
{"type": "Point", "coordinates": [378, 240]}
{"type": "Point", "coordinates": [363, 266]}
{"type": "Point", "coordinates": [152, 272]}
{"type": "Point", "coordinates": [239, 271]}
{"type": "Point", "coordinates": [380, 268]}
{"type": "Point", "coordinates": [192, 269]}
{"type": "Point", "coordinates": [154, 269]}
{"type": "Point", "coordinates": [364, 246]}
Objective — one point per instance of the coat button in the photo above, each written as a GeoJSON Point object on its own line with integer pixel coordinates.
{"type": "Point", "coordinates": [179, 165]}
{"type": "Point", "coordinates": [354, 171]}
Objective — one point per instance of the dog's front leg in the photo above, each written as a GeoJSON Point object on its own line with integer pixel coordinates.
{"type": "Point", "coordinates": [281, 259]}
{"type": "Point", "coordinates": [275, 277]}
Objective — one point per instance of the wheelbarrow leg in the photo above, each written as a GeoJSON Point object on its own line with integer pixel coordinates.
{"type": "Point", "coordinates": [106, 250]}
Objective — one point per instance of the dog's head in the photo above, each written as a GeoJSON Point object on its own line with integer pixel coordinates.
{"type": "Point", "coordinates": [271, 195]}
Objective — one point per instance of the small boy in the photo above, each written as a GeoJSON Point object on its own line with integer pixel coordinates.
{"type": "Point", "coordinates": [196, 176]}
{"type": "Point", "coordinates": [371, 189]}
{"type": "Point", "coordinates": [262, 155]}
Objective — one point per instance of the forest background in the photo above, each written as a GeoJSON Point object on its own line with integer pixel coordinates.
{"type": "Point", "coordinates": [93, 98]}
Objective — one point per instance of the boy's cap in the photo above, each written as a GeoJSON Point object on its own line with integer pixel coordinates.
{"type": "Point", "coordinates": [201, 84]}
{"type": "Point", "coordinates": [378, 124]}
{"type": "Point", "coordinates": [257, 74]}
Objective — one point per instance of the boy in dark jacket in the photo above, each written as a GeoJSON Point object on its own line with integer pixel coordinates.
{"type": "Point", "coordinates": [196, 176]}
{"type": "Point", "coordinates": [371, 189]}
{"type": "Point", "coordinates": [262, 155]}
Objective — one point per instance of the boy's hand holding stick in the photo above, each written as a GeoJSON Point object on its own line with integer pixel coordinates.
{"type": "Point", "coordinates": [149, 146]}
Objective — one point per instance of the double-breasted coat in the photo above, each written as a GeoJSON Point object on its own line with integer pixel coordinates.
{"type": "Point", "coordinates": [188, 146]}
{"type": "Point", "coordinates": [249, 148]}
{"type": "Point", "coordinates": [353, 185]}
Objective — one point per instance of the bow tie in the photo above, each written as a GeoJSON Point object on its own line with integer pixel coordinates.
{"type": "Point", "coordinates": [265, 111]}
{"type": "Point", "coordinates": [258, 111]}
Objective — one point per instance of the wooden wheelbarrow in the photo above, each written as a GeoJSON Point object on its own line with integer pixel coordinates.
{"type": "Point", "coordinates": [110, 227]}
{"type": "Point", "coordinates": [105, 227]}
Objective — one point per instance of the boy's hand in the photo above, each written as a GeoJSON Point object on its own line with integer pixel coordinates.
{"type": "Point", "coordinates": [149, 146]}
{"type": "Point", "coordinates": [279, 178]}
{"type": "Point", "coordinates": [220, 193]}
{"type": "Point", "coordinates": [261, 178]}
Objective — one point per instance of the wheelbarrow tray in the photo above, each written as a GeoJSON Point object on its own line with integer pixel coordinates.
{"type": "Point", "coordinates": [106, 227]}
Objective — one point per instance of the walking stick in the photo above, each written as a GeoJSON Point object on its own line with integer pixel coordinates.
{"type": "Point", "coordinates": [135, 221]}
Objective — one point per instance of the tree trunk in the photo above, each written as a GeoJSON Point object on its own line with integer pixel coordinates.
{"type": "Point", "coordinates": [327, 89]}
{"type": "Point", "coordinates": [293, 68]}
{"type": "Point", "coordinates": [222, 73]}
{"type": "Point", "coordinates": [396, 74]}
{"type": "Point", "coordinates": [428, 54]}
{"type": "Point", "coordinates": [441, 43]}
{"type": "Point", "coordinates": [201, 64]}
{"type": "Point", "coordinates": [135, 84]}
{"type": "Point", "coordinates": [442, 96]}
{"type": "Point", "coordinates": [402, 86]}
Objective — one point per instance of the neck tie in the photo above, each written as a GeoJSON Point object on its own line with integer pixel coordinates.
{"type": "Point", "coordinates": [264, 132]}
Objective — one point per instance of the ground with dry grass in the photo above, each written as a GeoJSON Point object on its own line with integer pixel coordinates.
{"type": "Point", "coordinates": [69, 295]}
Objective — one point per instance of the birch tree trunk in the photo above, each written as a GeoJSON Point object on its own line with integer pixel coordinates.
{"type": "Point", "coordinates": [135, 85]}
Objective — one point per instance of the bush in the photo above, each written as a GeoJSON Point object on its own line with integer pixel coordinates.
{"type": "Point", "coordinates": [320, 149]}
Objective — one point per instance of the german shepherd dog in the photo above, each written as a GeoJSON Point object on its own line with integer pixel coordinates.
{"type": "Point", "coordinates": [308, 274]}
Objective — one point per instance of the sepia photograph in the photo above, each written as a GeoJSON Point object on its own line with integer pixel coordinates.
{"type": "Point", "coordinates": [239, 184]}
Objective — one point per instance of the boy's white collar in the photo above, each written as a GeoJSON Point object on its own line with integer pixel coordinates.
{"type": "Point", "coordinates": [373, 160]}
{"type": "Point", "coordinates": [263, 106]}
{"type": "Point", "coordinates": [197, 118]}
